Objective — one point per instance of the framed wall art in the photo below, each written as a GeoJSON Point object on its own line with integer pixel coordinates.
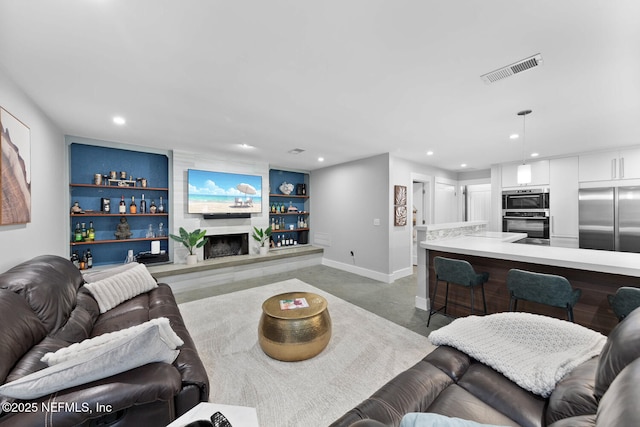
{"type": "Point", "coordinates": [399, 205]}
{"type": "Point", "coordinates": [15, 170]}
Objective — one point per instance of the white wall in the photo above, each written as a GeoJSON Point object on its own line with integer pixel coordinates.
{"type": "Point", "coordinates": [345, 200]}
{"type": "Point", "coordinates": [182, 161]}
{"type": "Point", "coordinates": [404, 172]}
{"type": "Point", "coordinates": [47, 231]}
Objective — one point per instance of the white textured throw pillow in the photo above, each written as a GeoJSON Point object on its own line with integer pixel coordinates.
{"type": "Point", "coordinates": [99, 357]}
{"type": "Point", "coordinates": [111, 291]}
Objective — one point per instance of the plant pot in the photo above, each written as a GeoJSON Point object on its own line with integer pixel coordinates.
{"type": "Point", "coordinates": [192, 259]}
{"type": "Point", "coordinates": [264, 250]}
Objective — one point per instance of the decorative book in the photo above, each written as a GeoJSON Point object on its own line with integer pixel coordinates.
{"type": "Point", "coordinates": [292, 304]}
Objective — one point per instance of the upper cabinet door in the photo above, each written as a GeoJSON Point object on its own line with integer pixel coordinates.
{"type": "Point", "coordinates": [610, 165]}
{"type": "Point", "coordinates": [539, 174]}
{"type": "Point", "coordinates": [563, 198]}
{"type": "Point", "coordinates": [629, 164]}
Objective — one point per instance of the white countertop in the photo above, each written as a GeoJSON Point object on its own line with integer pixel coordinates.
{"type": "Point", "coordinates": [497, 245]}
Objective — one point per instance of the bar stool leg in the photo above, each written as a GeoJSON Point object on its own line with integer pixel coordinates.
{"type": "Point", "coordinates": [484, 300]}
{"type": "Point", "coordinates": [446, 299]}
{"type": "Point", "coordinates": [570, 312]}
{"type": "Point", "coordinates": [433, 302]}
{"type": "Point", "coordinates": [472, 302]}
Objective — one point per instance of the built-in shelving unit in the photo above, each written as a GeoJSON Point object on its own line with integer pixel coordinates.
{"type": "Point", "coordinates": [88, 160]}
{"type": "Point", "coordinates": [288, 223]}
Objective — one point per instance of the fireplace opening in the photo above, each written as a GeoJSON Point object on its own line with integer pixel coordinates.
{"type": "Point", "coordinates": [221, 245]}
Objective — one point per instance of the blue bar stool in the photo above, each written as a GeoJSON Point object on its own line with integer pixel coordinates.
{"type": "Point", "coordinates": [547, 289]}
{"type": "Point", "coordinates": [624, 301]}
{"type": "Point", "coordinates": [458, 272]}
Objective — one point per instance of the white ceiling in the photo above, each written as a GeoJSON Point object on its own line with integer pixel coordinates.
{"type": "Point", "coordinates": [340, 79]}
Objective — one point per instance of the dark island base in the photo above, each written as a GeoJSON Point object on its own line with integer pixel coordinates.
{"type": "Point", "coordinates": [593, 309]}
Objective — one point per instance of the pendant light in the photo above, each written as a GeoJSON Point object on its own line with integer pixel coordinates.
{"type": "Point", "coordinates": [524, 170]}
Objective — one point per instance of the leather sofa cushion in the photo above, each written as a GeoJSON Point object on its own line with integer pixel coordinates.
{"type": "Point", "coordinates": [489, 386]}
{"type": "Point", "coordinates": [622, 347]}
{"type": "Point", "coordinates": [579, 421]}
{"type": "Point", "coordinates": [97, 358]}
{"type": "Point", "coordinates": [455, 401]}
{"type": "Point", "coordinates": [497, 391]}
{"type": "Point", "coordinates": [410, 391]}
{"type": "Point", "coordinates": [154, 382]}
{"type": "Point", "coordinates": [575, 394]}
{"type": "Point", "coordinates": [620, 406]}
{"type": "Point", "coordinates": [81, 320]}
{"type": "Point", "coordinates": [49, 284]}
{"type": "Point", "coordinates": [21, 329]}
{"type": "Point", "coordinates": [31, 361]}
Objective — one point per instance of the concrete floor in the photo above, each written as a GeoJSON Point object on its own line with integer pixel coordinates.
{"type": "Point", "coordinates": [394, 301]}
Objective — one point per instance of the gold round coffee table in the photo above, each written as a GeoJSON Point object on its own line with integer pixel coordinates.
{"type": "Point", "coordinates": [294, 326]}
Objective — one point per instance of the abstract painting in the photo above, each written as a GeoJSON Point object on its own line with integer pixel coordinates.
{"type": "Point", "coordinates": [15, 170]}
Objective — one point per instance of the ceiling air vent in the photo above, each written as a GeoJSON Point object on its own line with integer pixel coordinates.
{"type": "Point", "coordinates": [510, 70]}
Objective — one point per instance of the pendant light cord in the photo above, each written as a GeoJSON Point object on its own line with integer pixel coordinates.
{"type": "Point", "coordinates": [524, 114]}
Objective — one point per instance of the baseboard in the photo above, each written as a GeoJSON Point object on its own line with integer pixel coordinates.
{"type": "Point", "coordinates": [365, 272]}
{"type": "Point", "coordinates": [422, 303]}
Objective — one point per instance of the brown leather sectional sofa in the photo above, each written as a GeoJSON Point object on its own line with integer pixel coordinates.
{"type": "Point", "coordinates": [603, 391]}
{"type": "Point", "coordinates": [44, 307]}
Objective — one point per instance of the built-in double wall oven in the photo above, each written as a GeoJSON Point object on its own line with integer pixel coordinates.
{"type": "Point", "coordinates": [527, 211]}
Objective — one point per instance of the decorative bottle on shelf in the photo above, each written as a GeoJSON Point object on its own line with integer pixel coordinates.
{"type": "Point", "coordinates": [83, 231]}
{"type": "Point", "coordinates": [149, 234]}
{"type": "Point", "coordinates": [91, 232]}
{"type": "Point", "coordinates": [122, 209]}
{"type": "Point", "coordinates": [132, 206]}
{"type": "Point", "coordinates": [83, 261]}
{"type": "Point", "coordinates": [75, 259]}
{"type": "Point", "coordinates": [161, 232]}
{"type": "Point", "coordinates": [89, 259]}
{"type": "Point", "coordinates": [152, 207]}
{"type": "Point", "coordinates": [77, 236]}
{"type": "Point", "coordinates": [143, 205]}
{"type": "Point", "coordinates": [161, 208]}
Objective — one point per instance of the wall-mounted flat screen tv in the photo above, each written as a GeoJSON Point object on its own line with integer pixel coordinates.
{"type": "Point", "coordinates": [223, 193]}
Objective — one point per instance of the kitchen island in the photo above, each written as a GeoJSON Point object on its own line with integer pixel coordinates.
{"type": "Point", "coordinates": [597, 273]}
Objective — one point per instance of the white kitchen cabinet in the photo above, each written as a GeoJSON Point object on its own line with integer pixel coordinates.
{"type": "Point", "coordinates": [563, 200]}
{"type": "Point", "coordinates": [539, 174]}
{"type": "Point", "coordinates": [610, 165]}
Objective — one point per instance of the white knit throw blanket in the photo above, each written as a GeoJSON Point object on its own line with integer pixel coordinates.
{"type": "Point", "coordinates": [531, 350]}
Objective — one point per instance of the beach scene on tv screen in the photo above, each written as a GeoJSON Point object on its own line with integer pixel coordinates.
{"type": "Point", "coordinates": [221, 192]}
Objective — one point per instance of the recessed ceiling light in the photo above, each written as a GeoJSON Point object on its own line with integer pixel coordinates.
{"type": "Point", "coordinates": [429, 153]}
{"type": "Point", "coordinates": [535, 154]}
{"type": "Point", "coordinates": [321, 159]}
{"type": "Point", "coordinates": [119, 120]}
{"type": "Point", "coordinates": [464, 165]}
{"type": "Point", "coordinates": [246, 146]}
{"type": "Point", "coordinates": [514, 136]}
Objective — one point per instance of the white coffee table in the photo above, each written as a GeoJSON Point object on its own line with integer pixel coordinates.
{"type": "Point", "coordinates": [238, 416]}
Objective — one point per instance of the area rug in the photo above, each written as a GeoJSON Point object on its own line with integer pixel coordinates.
{"type": "Point", "coordinates": [364, 353]}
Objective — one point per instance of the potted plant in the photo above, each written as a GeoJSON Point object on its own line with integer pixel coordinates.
{"type": "Point", "coordinates": [191, 241]}
{"type": "Point", "coordinates": [262, 236]}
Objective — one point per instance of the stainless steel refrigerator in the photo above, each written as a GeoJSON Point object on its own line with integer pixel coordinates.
{"type": "Point", "coordinates": [609, 218]}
